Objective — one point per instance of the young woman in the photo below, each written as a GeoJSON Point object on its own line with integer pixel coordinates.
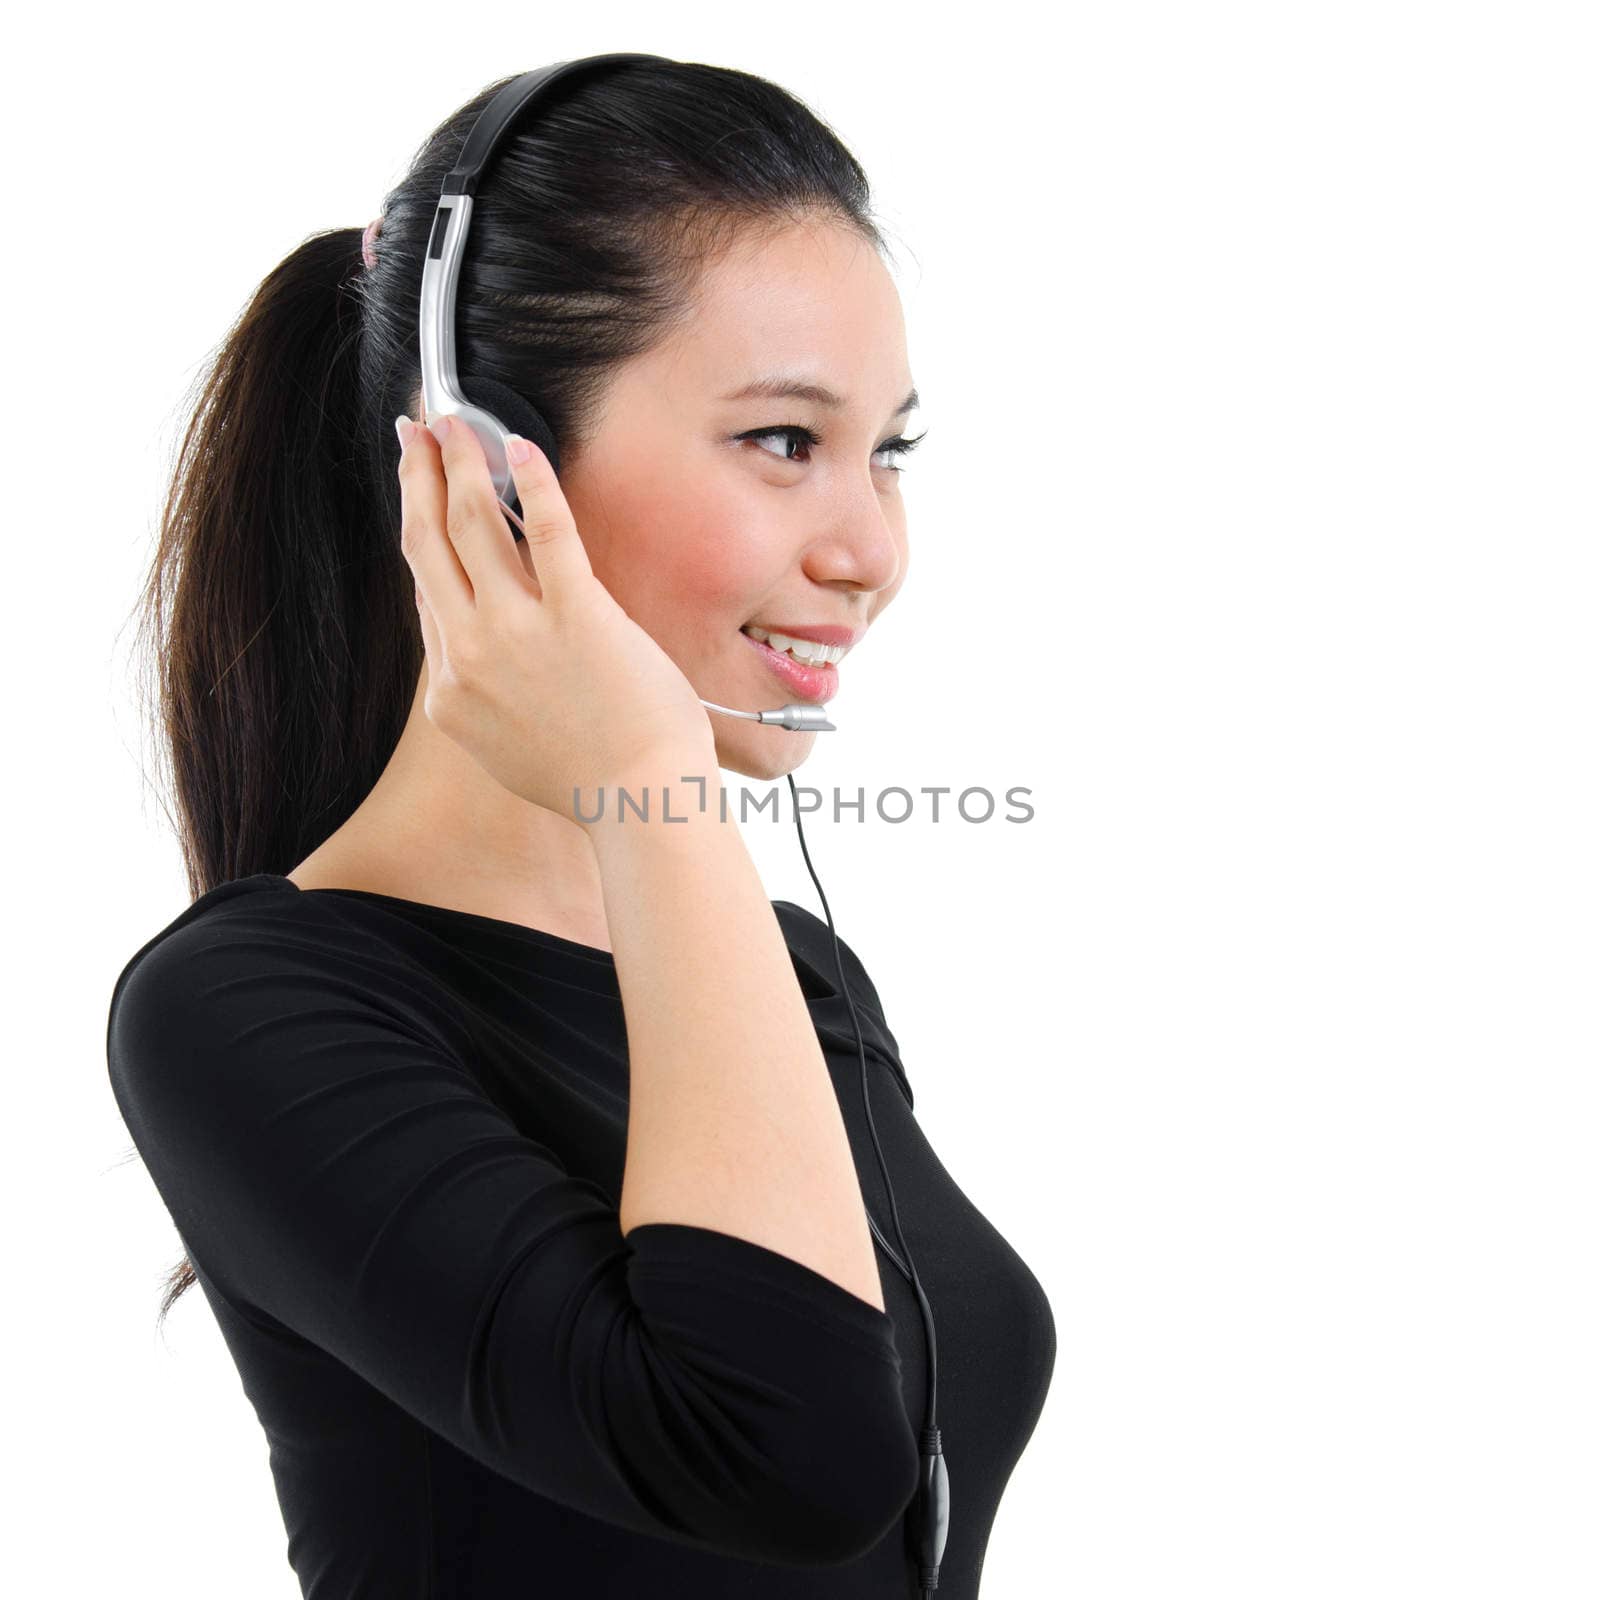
{"type": "Point", "coordinates": [518, 1143]}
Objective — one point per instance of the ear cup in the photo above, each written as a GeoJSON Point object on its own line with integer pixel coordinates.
{"type": "Point", "coordinates": [517, 415]}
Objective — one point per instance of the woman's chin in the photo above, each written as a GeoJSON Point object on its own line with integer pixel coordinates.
{"type": "Point", "coordinates": [761, 750]}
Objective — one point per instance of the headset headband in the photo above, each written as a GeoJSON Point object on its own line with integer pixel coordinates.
{"type": "Point", "coordinates": [441, 267]}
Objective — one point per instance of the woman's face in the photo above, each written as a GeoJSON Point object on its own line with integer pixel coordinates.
{"type": "Point", "coordinates": [698, 527]}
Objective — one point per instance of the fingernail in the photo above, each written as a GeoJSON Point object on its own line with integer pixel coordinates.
{"type": "Point", "coordinates": [518, 448]}
{"type": "Point", "coordinates": [440, 428]}
{"type": "Point", "coordinates": [404, 429]}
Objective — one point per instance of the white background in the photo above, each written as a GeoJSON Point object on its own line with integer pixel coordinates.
{"type": "Point", "coordinates": [1255, 532]}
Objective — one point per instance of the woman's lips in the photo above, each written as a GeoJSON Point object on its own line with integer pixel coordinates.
{"type": "Point", "coordinates": [820, 684]}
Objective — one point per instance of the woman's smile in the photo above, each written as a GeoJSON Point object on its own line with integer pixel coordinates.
{"type": "Point", "coordinates": [805, 681]}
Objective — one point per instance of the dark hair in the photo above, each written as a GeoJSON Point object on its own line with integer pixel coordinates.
{"type": "Point", "coordinates": [284, 649]}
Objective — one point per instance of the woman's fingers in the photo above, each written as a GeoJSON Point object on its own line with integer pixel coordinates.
{"type": "Point", "coordinates": [432, 646]}
{"type": "Point", "coordinates": [474, 519]}
{"type": "Point", "coordinates": [455, 536]}
{"type": "Point", "coordinates": [440, 578]}
{"type": "Point", "coordinates": [560, 561]}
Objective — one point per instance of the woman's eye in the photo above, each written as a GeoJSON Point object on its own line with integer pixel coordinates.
{"type": "Point", "coordinates": [794, 435]}
{"type": "Point", "coordinates": [787, 435]}
{"type": "Point", "coordinates": [900, 448]}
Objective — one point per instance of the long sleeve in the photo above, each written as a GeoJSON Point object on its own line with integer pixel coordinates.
{"type": "Point", "coordinates": [330, 1161]}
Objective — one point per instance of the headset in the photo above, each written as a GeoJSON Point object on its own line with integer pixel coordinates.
{"type": "Point", "coordinates": [499, 412]}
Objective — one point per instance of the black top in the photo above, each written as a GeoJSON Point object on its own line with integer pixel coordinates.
{"type": "Point", "coordinates": [391, 1137]}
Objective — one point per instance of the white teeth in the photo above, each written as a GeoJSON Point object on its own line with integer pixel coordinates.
{"type": "Point", "coordinates": [814, 655]}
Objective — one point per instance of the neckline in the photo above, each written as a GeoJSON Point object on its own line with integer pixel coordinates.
{"type": "Point", "coordinates": [553, 942]}
{"type": "Point", "coordinates": [519, 930]}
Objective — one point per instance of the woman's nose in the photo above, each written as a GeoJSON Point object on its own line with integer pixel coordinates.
{"type": "Point", "coordinates": [862, 546]}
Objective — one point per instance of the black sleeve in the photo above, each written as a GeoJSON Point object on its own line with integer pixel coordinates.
{"type": "Point", "coordinates": [331, 1162]}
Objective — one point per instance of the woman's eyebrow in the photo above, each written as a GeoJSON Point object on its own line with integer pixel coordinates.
{"type": "Point", "coordinates": [778, 387]}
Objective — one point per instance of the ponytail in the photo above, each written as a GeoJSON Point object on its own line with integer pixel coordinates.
{"type": "Point", "coordinates": [288, 649]}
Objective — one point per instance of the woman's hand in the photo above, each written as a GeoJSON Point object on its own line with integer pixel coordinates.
{"type": "Point", "coordinates": [533, 667]}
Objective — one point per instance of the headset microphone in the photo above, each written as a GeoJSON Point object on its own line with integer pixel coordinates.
{"type": "Point", "coordinates": [798, 718]}
{"type": "Point", "coordinates": [500, 412]}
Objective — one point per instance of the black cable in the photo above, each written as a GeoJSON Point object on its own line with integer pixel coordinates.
{"type": "Point", "coordinates": [933, 1492]}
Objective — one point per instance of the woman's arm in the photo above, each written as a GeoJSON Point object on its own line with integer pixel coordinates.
{"type": "Point", "coordinates": [733, 1123]}
{"type": "Point", "coordinates": [308, 1111]}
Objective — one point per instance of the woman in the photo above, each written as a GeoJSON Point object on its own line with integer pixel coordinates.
{"type": "Point", "coordinates": [517, 1142]}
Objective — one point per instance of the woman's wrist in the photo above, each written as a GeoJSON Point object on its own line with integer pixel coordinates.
{"type": "Point", "coordinates": [664, 790]}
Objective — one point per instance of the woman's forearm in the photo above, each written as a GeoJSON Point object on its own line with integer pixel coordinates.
{"type": "Point", "coordinates": [733, 1123]}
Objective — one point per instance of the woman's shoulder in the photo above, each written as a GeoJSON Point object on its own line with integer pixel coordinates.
{"type": "Point", "coordinates": [811, 943]}
{"type": "Point", "coordinates": [259, 942]}
{"type": "Point", "coordinates": [809, 936]}
{"type": "Point", "coordinates": [264, 910]}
